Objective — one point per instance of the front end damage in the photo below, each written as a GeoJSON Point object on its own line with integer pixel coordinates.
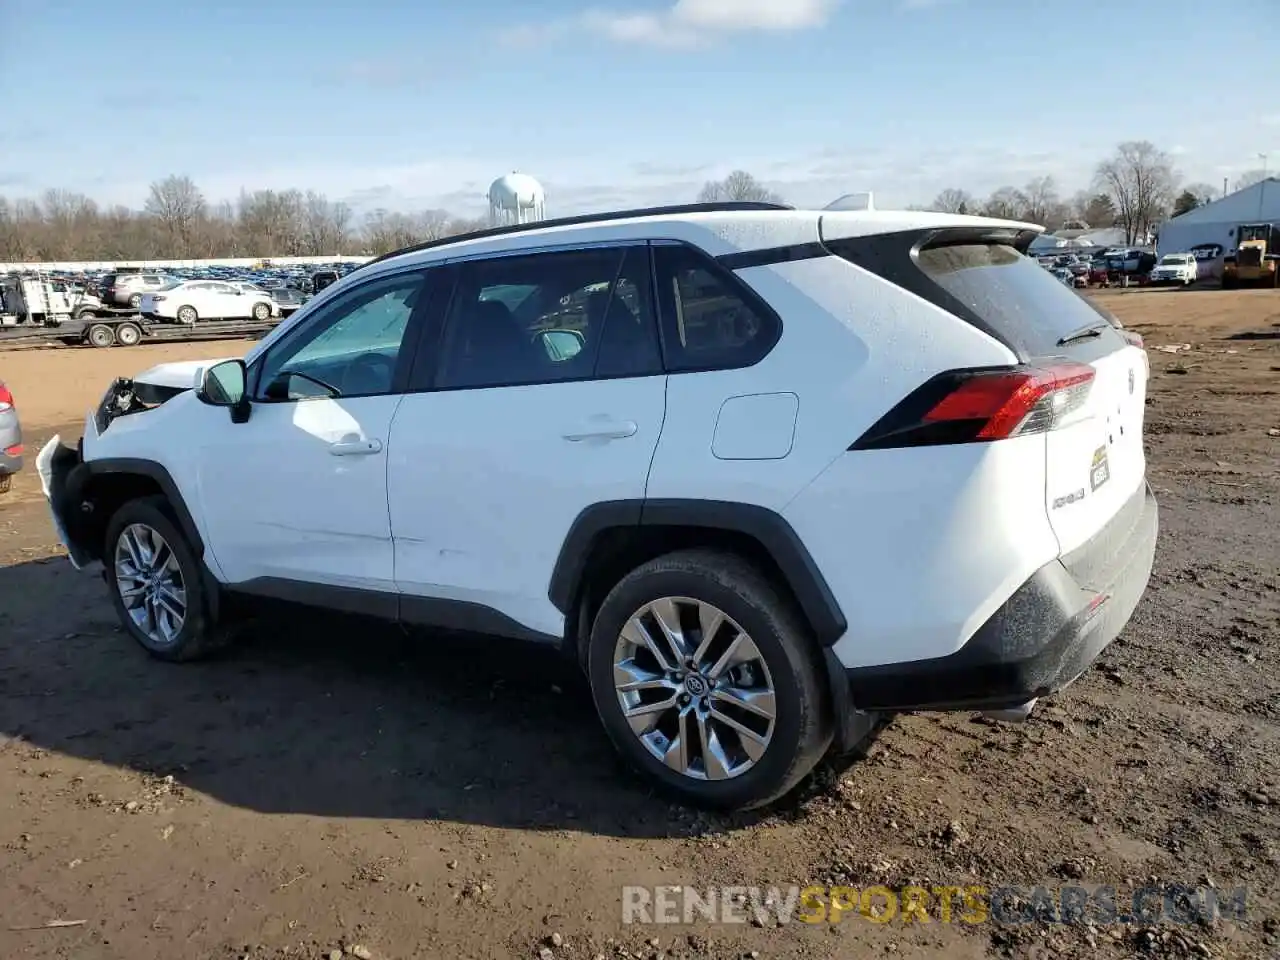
{"type": "Point", "coordinates": [81, 498]}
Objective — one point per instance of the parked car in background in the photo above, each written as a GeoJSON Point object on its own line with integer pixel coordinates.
{"type": "Point", "coordinates": [288, 299]}
{"type": "Point", "coordinates": [192, 300]}
{"type": "Point", "coordinates": [128, 289]}
{"type": "Point", "coordinates": [323, 278]}
{"type": "Point", "coordinates": [1179, 268]}
{"type": "Point", "coordinates": [10, 439]}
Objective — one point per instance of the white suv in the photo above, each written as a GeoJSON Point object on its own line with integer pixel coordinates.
{"type": "Point", "coordinates": [766, 474]}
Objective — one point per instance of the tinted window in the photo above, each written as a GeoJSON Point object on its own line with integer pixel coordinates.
{"type": "Point", "coordinates": [550, 317]}
{"type": "Point", "coordinates": [1012, 294]}
{"type": "Point", "coordinates": [352, 347]}
{"type": "Point", "coordinates": [709, 320]}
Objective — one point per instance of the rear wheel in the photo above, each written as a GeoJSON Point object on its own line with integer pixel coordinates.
{"type": "Point", "coordinates": [99, 335]}
{"type": "Point", "coordinates": [187, 315]}
{"type": "Point", "coordinates": [135, 301]}
{"type": "Point", "coordinates": [707, 680]}
{"type": "Point", "coordinates": [128, 334]}
{"type": "Point", "coordinates": [261, 312]}
{"type": "Point", "coordinates": [156, 582]}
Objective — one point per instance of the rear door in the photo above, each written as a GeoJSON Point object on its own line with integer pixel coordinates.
{"type": "Point", "coordinates": [1094, 455]}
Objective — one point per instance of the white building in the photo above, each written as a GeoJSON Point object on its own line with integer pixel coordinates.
{"type": "Point", "coordinates": [1216, 222]}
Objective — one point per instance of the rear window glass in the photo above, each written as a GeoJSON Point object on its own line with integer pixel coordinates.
{"type": "Point", "coordinates": [1019, 299]}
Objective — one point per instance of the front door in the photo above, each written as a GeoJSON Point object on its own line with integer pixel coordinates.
{"type": "Point", "coordinates": [315, 446]}
{"type": "Point", "coordinates": [546, 395]}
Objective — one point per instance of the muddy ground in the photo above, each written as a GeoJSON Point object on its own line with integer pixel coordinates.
{"type": "Point", "coordinates": [331, 786]}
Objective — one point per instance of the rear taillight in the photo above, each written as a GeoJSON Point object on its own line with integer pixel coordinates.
{"type": "Point", "coordinates": [14, 451]}
{"type": "Point", "coordinates": [6, 399]}
{"type": "Point", "coordinates": [973, 406]}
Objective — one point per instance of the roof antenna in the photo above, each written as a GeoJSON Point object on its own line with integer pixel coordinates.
{"type": "Point", "coordinates": [853, 201]}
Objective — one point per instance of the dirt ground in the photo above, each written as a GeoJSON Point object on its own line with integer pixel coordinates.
{"type": "Point", "coordinates": [330, 787]}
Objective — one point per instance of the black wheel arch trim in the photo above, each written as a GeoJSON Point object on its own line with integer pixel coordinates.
{"type": "Point", "coordinates": [765, 526]}
{"type": "Point", "coordinates": [116, 466]}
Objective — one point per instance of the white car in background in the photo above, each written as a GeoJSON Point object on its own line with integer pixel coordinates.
{"type": "Point", "coordinates": [191, 300]}
{"type": "Point", "coordinates": [1177, 268]}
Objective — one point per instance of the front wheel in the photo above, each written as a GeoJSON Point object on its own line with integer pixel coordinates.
{"type": "Point", "coordinates": [708, 682]}
{"type": "Point", "coordinates": [156, 582]}
{"type": "Point", "coordinates": [261, 312]}
{"type": "Point", "coordinates": [187, 315]}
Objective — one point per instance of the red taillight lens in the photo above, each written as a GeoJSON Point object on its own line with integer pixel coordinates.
{"type": "Point", "coordinates": [14, 451]}
{"type": "Point", "coordinates": [6, 398]}
{"type": "Point", "coordinates": [968, 406]}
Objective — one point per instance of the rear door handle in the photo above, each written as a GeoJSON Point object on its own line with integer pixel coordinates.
{"type": "Point", "coordinates": [355, 447]}
{"type": "Point", "coordinates": [604, 430]}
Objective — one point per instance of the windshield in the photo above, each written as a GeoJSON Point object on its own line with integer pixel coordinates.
{"type": "Point", "coordinates": [1175, 259]}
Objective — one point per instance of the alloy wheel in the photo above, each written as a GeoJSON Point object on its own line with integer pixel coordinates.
{"type": "Point", "coordinates": [694, 688]}
{"type": "Point", "coordinates": [151, 584]}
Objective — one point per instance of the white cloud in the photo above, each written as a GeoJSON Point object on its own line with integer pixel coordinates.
{"type": "Point", "coordinates": [686, 23]}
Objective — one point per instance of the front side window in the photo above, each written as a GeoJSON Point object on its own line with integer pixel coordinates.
{"type": "Point", "coordinates": [350, 348]}
{"type": "Point", "coordinates": [709, 320]}
{"type": "Point", "coordinates": [550, 317]}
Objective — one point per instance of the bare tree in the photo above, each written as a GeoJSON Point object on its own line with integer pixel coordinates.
{"type": "Point", "coordinates": [1248, 179]}
{"type": "Point", "coordinates": [738, 185]}
{"type": "Point", "coordinates": [1042, 199]}
{"type": "Point", "coordinates": [177, 203]}
{"type": "Point", "coordinates": [1140, 181]}
{"type": "Point", "coordinates": [1006, 203]}
{"type": "Point", "coordinates": [954, 200]}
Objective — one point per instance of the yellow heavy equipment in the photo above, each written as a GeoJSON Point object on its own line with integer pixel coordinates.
{"type": "Point", "coordinates": [1252, 264]}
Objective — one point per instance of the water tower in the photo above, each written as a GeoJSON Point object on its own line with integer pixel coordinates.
{"type": "Point", "coordinates": [516, 198]}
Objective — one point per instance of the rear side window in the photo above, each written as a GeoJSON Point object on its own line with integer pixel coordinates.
{"type": "Point", "coordinates": [710, 321]}
{"type": "Point", "coordinates": [1019, 300]}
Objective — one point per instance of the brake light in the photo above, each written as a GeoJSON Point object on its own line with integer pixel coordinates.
{"type": "Point", "coordinates": [14, 451]}
{"type": "Point", "coordinates": [6, 399]}
{"type": "Point", "coordinates": [973, 406]}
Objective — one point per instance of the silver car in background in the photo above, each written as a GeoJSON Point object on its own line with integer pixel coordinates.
{"type": "Point", "coordinates": [10, 439]}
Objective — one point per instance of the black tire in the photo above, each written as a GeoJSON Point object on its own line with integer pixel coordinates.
{"type": "Point", "coordinates": [135, 301]}
{"type": "Point", "coordinates": [199, 635]}
{"type": "Point", "coordinates": [187, 315]}
{"type": "Point", "coordinates": [86, 315]}
{"type": "Point", "coordinates": [261, 312]}
{"type": "Point", "coordinates": [99, 335]}
{"type": "Point", "coordinates": [128, 334]}
{"type": "Point", "coordinates": [803, 727]}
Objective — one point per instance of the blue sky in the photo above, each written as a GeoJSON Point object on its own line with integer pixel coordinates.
{"type": "Point", "coordinates": [421, 103]}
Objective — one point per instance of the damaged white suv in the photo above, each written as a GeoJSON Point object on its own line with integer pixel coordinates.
{"type": "Point", "coordinates": [765, 473]}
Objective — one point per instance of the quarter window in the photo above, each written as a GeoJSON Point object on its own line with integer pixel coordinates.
{"type": "Point", "coordinates": [550, 317]}
{"type": "Point", "coordinates": [709, 320]}
{"type": "Point", "coordinates": [350, 348]}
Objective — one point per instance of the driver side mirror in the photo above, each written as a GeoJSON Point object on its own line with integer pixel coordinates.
{"type": "Point", "coordinates": [224, 385]}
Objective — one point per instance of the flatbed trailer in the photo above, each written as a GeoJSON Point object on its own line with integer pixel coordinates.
{"type": "Point", "coordinates": [130, 329]}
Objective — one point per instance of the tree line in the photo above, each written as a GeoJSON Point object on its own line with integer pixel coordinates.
{"type": "Point", "coordinates": [1135, 189]}
{"type": "Point", "coordinates": [177, 223]}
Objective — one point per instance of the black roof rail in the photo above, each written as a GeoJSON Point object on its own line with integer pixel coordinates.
{"type": "Point", "coordinates": [719, 206]}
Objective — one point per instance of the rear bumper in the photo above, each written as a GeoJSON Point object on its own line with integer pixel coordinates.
{"type": "Point", "coordinates": [9, 464]}
{"type": "Point", "coordinates": [1044, 637]}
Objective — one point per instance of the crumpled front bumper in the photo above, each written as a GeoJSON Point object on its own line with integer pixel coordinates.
{"type": "Point", "coordinates": [57, 464]}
